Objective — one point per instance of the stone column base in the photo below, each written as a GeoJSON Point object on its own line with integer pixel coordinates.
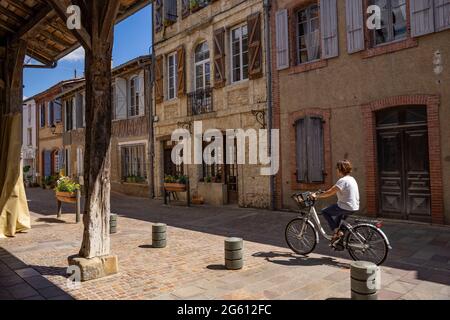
{"type": "Point", "coordinates": [95, 268]}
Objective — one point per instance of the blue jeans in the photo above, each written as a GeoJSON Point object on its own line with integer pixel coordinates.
{"type": "Point", "coordinates": [333, 214]}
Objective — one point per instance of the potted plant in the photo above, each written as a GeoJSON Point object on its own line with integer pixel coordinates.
{"type": "Point", "coordinates": [66, 189]}
{"type": "Point", "coordinates": [208, 179]}
{"type": "Point", "coordinates": [175, 183]}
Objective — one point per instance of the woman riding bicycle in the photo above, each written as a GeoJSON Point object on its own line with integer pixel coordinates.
{"type": "Point", "coordinates": [346, 189]}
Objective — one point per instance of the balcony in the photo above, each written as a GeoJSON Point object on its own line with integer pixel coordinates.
{"type": "Point", "coordinates": [200, 102]}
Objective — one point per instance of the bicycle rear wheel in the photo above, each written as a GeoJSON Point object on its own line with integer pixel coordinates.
{"type": "Point", "coordinates": [366, 243]}
{"type": "Point", "coordinates": [301, 236]}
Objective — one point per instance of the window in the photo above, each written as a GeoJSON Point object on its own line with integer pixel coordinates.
{"type": "Point", "coordinates": [308, 34]}
{"type": "Point", "coordinates": [57, 106]}
{"type": "Point", "coordinates": [202, 67]}
{"type": "Point", "coordinates": [67, 163]}
{"type": "Point", "coordinates": [309, 150]}
{"type": "Point", "coordinates": [69, 115]}
{"type": "Point", "coordinates": [42, 112]}
{"type": "Point", "coordinates": [133, 109]}
{"type": "Point", "coordinates": [80, 162]}
{"type": "Point", "coordinates": [29, 137]}
{"type": "Point", "coordinates": [133, 163]}
{"type": "Point", "coordinates": [56, 162]}
{"type": "Point", "coordinates": [393, 21]}
{"type": "Point", "coordinates": [29, 114]}
{"type": "Point", "coordinates": [172, 78]}
{"type": "Point", "coordinates": [51, 114]}
{"type": "Point", "coordinates": [239, 53]}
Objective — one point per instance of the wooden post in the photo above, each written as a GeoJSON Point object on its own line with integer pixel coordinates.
{"type": "Point", "coordinates": [78, 214]}
{"type": "Point", "coordinates": [188, 193]}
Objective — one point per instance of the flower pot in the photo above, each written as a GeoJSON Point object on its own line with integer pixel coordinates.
{"type": "Point", "coordinates": [175, 187]}
{"type": "Point", "coordinates": [68, 197]}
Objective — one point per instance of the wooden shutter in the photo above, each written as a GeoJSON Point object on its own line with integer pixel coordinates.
{"type": "Point", "coordinates": [355, 25]}
{"type": "Point", "coordinates": [57, 110]}
{"type": "Point", "coordinates": [74, 112]}
{"type": "Point", "coordinates": [158, 15]}
{"type": "Point", "coordinates": [170, 10]}
{"type": "Point", "coordinates": [219, 58]}
{"type": "Point", "coordinates": [301, 151]}
{"type": "Point", "coordinates": [79, 110]}
{"type": "Point", "coordinates": [329, 28]}
{"type": "Point", "coordinates": [282, 39]}
{"type": "Point", "coordinates": [121, 105]}
{"type": "Point", "coordinates": [141, 93]}
{"type": "Point", "coordinates": [159, 79]}
{"type": "Point", "coordinates": [181, 71]}
{"type": "Point", "coordinates": [185, 8]}
{"type": "Point", "coordinates": [422, 17]}
{"type": "Point", "coordinates": [49, 114]}
{"type": "Point", "coordinates": [47, 163]}
{"type": "Point", "coordinates": [315, 150]}
{"type": "Point", "coordinates": [442, 14]}
{"type": "Point", "coordinates": [255, 69]}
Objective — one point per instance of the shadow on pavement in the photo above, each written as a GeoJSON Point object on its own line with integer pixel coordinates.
{"type": "Point", "coordinates": [288, 259]}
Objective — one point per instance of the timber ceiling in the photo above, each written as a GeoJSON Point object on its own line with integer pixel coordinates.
{"type": "Point", "coordinates": [47, 35]}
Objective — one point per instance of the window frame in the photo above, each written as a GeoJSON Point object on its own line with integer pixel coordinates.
{"type": "Point", "coordinates": [296, 12]}
{"type": "Point", "coordinates": [203, 64]}
{"type": "Point", "coordinates": [173, 56]}
{"type": "Point", "coordinates": [42, 115]}
{"type": "Point", "coordinates": [133, 84]}
{"type": "Point", "coordinates": [241, 54]}
{"type": "Point", "coordinates": [140, 149]}
{"type": "Point", "coordinates": [372, 33]}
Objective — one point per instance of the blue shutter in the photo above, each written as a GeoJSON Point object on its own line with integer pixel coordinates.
{"type": "Point", "coordinates": [301, 151]}
{"type": "Point", "coordinates": [47, 163]}
{"type": "Point", "coordinates": [315, 150]}
{"type": "Point", "coordinates": [442, 14]}
{"type": "Point", "coordinates": [329, 28]}
{"type": "Point", "coordinates": [57, 110]}
{"type": "Point", "coordinates": [422, 17]}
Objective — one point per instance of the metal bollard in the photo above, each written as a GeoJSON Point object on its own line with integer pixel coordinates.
{"type": "Point", "coordinates": [112, 223]}
{"type": "Point", "coordinates": [159, 235]}
{"type": "Point", "coordinates": [234, 253]}
{"type": "Point", "coordinates": [365, 280]}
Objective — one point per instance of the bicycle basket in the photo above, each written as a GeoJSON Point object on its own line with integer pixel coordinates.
{"type": "Point", "coordinates": [303, 200]}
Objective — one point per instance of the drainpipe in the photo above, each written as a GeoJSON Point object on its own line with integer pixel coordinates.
{"type": "Point", "coordinates": [152, 107]}
{"type": "Point", "coordinates": [41, 66]}
{"type": "Point", "coordinates": [267, 40]}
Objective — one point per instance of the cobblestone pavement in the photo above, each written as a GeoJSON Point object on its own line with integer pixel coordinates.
{"type": "Point", "coordinates": [33, 265]}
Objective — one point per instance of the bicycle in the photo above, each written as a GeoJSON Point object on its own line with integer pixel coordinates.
{"type": "Point", "coordinates": [364, 241]}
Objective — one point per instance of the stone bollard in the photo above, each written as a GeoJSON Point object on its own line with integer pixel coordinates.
{"type": "Point", "coordinates": [112, 223]}
{"type": "Point", "coordinates": [159, 235]}
{"type": "Point", "coordinates": [234, 253]}
{"type": "Point", "coordinates": [365, 280]}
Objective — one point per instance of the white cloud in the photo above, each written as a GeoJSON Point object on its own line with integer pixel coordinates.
{"type": "Point", "coordinates": [75, 56]}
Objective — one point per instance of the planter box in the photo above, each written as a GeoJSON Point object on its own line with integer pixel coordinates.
{"type": "Point", "coordinates": [67, 197]}
{"type": "Point", "coordinates": [175, 187]}
{"type": "Point", "coordinates": [213, 193]}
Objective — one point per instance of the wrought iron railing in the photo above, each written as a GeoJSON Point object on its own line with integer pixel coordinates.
{"type": "Point", "coordinates": [200, 102]}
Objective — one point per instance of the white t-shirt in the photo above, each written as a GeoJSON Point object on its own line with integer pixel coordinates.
{"type": "Point", "coordinates": [348, 194]}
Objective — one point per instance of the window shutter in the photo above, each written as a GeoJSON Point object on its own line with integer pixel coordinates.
{"type": "Point", "coordinates": [49, 115]}
{"type": "Point", "coordinates": [282, 39]}
{"type": "Point", "coordinates": [83, 109]}
{"type": "Point", "coordinates": [141, 93]}
{"type": "Point", "coordinates": [329, 28]}
{"type": "Point", "coordinates": [57, 110]}
{"type": "Point", "coordinates": [442, 14]}
{"type": "Point", "coordinates": [301, 151]}
{"type": "Point", "coordinates": [47, 163]}
{"type": "Point", "coordinates": [74, 112]}
{"type": "Point", "coordinates": [185, 8]}
{"type": "Point", "coordinates": [158, 15]}
{"type": "Point", "coordinates": [181, 74]}
{"type": "Point", "coordinates": [170, 10]}
{"type": "Point", "coordinates": [61, 159]}
{"type": "Point", "coordinates": [355, 25]}
{"type": "Point", "coordinates": [79, 111]}
{"type": "Point", "coordinates": [255, 68]}
{"type": "Point", "coordinates": [121, 105]}
{"type": "Point", "coordinates": [422, 17]}
{"type": "Point", "coordinates": [159, 79]}
{"type": "Point", "coordinates": [219, 58]}
{"type": "Point", "coordinates": [315, 150]}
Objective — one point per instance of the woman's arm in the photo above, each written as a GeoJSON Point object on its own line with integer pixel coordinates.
{"type": "Point", "coordinates": [331, 192]}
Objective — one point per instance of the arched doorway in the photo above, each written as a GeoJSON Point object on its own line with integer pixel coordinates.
{"type": "Point", "coordinates": [403, 163]}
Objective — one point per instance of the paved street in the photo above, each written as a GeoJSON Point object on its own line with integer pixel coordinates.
{"type": "Point", "coordinates": [33, 265]}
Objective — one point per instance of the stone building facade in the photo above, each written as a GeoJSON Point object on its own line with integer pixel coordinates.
{"type": "Point", "coordinates": [29, 139]}
{"type": "Point", "coordinates": [378, 97]}
{"type": "Point", "coordinates": [49, 156]}
{"type": "Point", "coordinates": [130, 167]}
{"type": "Point", "coordinates": [210, 68]}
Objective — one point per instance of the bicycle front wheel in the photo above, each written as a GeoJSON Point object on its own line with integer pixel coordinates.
{"type": "Point", "coordinates": [301, 236]}
{"type": "Point", "coordinates": [366, 243]}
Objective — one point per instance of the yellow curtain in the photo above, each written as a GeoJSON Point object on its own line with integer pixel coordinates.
{"type": "Point", "coordinates": [14, 212]}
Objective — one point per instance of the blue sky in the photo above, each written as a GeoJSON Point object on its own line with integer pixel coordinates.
{"type": "Point", "coordinates": [132, 39]}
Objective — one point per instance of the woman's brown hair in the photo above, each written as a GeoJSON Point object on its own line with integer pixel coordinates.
{"type": "Point", "coordinates": [344, 167]}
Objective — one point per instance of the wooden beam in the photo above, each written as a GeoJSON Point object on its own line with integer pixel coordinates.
{"type": "Point", "coordinates": [2, 84]}
{"type": "Point", "coordinates": [31, 24]}
{"type": "Point", "coordinates": [6, 26]}
{"type": "Point", "coordinates": [55, 38]}
{"type": "Point", "coordinates": [21, 6]}
{"type": "Point", "coordinates": [11, 15]}
{"type": "Point", "coordinates": [110, 18]}
{"type": "Point", "coordinates": [60, 7]}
